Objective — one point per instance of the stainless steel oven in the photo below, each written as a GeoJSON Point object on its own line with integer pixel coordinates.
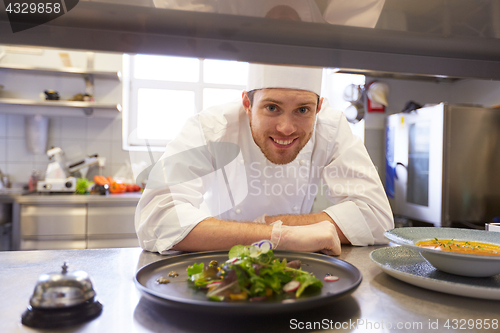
{"type": "Point", "coordinates": [443, 163]}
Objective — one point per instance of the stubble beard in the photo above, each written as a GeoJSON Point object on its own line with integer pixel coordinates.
{"type": "Point", "coordinates": [279, 160]}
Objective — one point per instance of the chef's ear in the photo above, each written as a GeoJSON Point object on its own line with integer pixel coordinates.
{"type": "Point", "coordinates": [246, 102]}
{"type": "Point", "coordinates": [320, 102]}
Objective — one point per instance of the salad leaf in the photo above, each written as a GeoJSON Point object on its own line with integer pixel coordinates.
{"type": "Point", "coordinates": [195, 269]}
{"type": "Point", "coordinates": [237, 251]}
{"type": "Point", "coordinates": [258, 286]}
{"type": "Point", "coordinates": [307, 280]}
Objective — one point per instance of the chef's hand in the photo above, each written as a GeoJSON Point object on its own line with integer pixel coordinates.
{"type": "Point", "coordinates": [320, 236]}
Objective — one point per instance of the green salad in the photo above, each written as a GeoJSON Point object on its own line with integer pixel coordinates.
{"type": "Point", "coordinates": [252, 273]}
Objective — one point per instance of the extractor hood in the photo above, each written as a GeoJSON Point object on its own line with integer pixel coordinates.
{"type": "Point", "coordinates": [432, 38]}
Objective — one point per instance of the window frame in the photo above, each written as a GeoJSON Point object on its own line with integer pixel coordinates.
{"type": "Point", "coordinates": [131, 88]}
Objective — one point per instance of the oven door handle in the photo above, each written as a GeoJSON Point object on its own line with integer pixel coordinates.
{"type": "Point", "coordinates": [399, 163]}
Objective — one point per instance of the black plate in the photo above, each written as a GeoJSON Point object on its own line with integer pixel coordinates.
{"type": "Point", "coordinates": [177, 293]}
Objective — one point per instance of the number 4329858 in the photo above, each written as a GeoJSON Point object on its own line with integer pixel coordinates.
{"type": "Point", "coordinates": [32, 8]}
{"type": "Point", "coordinates": [463, 324]}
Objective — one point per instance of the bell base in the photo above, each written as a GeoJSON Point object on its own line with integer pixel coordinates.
{"type": "Point", "coordinates": [61, 317]}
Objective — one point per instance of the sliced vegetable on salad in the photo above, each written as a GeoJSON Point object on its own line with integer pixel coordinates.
{"type": "Point", "coordinates": [252, 273]}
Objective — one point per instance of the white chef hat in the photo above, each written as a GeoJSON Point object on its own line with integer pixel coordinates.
{"type": "Point", "coordinates": [262, 76]}
{"type": "Point", "coordinates": [307, 10]}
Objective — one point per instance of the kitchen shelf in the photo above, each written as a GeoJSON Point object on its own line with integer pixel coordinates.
{"type": "Point", "coordinates": [87, 75]}
{"type": "Point", "coordinates": [87, 107]}
{"type": "Point", "coordinates": [70, 71]}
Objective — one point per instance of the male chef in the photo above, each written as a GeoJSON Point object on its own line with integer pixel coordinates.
{"type": "Point", "coordinates": [250, 170]}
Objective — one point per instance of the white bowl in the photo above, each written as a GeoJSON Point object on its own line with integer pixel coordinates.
{"type": "Point", "coordinates": [466, 264]}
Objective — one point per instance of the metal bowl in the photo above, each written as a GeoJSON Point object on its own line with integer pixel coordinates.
{"type": "Point", "coordinates": [64, 289]}
{"type": "Point", "coordinates": [354, 112]}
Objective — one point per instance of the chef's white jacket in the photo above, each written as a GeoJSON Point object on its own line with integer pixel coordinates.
{"type": "Point", "coordinates": [186, 186]}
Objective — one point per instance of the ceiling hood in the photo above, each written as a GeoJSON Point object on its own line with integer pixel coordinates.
{"type": "Point", "coordinates": [433, 42]}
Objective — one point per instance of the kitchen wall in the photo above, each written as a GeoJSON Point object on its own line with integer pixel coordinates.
{"type": "Point", "coordinates": [78, 135]}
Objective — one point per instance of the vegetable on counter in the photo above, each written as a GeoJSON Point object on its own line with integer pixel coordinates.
{"type": "Point", "coordinates": [101, 180]}
{"type": "Point", "coordinates": [252, 273]}
{"type": "Point", "coordinates": [83, 185]}
{"type": "Point", "coordinates": [116, 186]}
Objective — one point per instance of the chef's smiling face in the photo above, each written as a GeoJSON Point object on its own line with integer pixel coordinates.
{"type": "Point", "coordinates": [282, 121]}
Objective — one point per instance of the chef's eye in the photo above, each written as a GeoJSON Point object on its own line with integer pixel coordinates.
{"type": "Point", "coordinates": [271, 108]}
{"type": "Point", "coordinates": [303, 110]}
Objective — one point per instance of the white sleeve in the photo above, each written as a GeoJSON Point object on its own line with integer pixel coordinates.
{"type": "Point", "coordinates": [172, 203]}
{"type": "Point", "coordinates": [361, 208]}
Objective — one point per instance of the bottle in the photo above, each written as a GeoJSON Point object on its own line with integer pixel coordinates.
{"type": "Point", "coordinates": [33, 181]}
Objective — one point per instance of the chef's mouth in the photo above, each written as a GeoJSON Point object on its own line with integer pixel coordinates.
{"type": "Point", "coordinates": [283, 143]}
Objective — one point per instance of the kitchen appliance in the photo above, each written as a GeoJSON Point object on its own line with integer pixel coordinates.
{"type": "Point", "coordinates": [443, 163]}
{"type": "Point", "coordinates": [58, 175]}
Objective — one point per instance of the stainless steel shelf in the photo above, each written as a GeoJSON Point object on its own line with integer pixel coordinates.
{"type": "Point", "coordinates": [86, 107]}
{"type": "Point", "coordinates": [70, 71]}
{"type": "Point", "coordinates": [67, 104]}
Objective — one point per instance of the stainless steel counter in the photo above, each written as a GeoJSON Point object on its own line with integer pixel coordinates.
{"type": "Point", "coordinates": [34, 199]}
{"type": "Point", "coordinates": [379, 300]}
{"type": "Point", "coordinates": [76, 198]}
{"type": "Point", "coordinates": [39, 220]}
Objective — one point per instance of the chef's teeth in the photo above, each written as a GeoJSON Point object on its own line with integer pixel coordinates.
{"type": "Point", "coordinates": [282, 142]}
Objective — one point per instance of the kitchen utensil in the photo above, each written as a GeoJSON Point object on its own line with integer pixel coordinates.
{"type": "Point", "coordinates": [354, 112]}
{"type": "Point", "coordinates": [51, 95]}
{"type": "Point", "coordinates": [408, 265]}
{"type": "Point", "coordinates": [179, 294]}
{"type": "Point", "coordinates": [377, 92]}
{"type": "Point", "coordinates": [466, 264]}
{"type": "Point", "coordinates": [353, 93]}
{"type": "Point", "coordinates": [61, 300]}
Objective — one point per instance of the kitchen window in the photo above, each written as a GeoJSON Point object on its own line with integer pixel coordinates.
{"type": "Point", "coordinates": [162, 92]}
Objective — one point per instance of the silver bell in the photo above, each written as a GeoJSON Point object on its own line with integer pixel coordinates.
{"type": "Point", "coordinates": [64, 289]}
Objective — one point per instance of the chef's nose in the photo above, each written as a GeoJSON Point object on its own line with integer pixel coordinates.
{"type": "Point", "coordinates": [286, 125]}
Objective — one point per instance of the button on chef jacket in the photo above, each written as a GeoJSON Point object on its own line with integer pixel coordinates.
{"type": "Point", "coordinates": [333, 159]}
